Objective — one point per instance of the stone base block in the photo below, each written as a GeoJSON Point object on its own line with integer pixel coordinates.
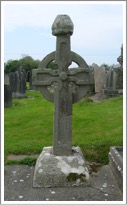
{"type": "Point", "coordinates": [59, 171]}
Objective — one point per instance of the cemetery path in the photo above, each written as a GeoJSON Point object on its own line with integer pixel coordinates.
{"type": "Point", "coordinates": [19, 179]}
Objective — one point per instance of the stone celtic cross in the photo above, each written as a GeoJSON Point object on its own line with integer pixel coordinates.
{"type": "Point", "coordinates": [63, 86]}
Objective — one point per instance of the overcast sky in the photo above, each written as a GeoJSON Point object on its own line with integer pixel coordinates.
{"type": "Point", "coordinates": [97, 37]}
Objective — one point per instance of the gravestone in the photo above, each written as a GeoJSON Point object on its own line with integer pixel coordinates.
{"type": "Point", "coordinates": [7, 92]}
{"type": "Point", "coordinates": [120, 58]}
{"type": "Point", "coordinates": [18, 83]}
{"type": "Point", "coordinates": [99, 78]}
{"type": "Point", "coordinates": [6, 79]}
{"type": "Point", "coordinates": [62, 164]}
{"type": "Point", "coordinates": [119, 81]}
{"type": "Point", "coordinates": [114, 84]}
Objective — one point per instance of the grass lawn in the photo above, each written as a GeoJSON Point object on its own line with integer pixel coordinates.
{"type": "Point", "coordinates": [28, 126]}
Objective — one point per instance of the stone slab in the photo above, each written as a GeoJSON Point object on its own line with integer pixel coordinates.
{"type": "Point", "coordinates": [116, 164]}
{"type": "Point", "coordinates": [7, 96]}
{"type": "Point", "coordinates": [100, 78]}
{"type": "Point", "coordinates": [6, 79]}
{"type": "Point", "coordinates": [19, 187]}
{"type": "Point", "coordinates": [58, 171]}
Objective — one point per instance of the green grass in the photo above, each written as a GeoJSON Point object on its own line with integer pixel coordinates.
{"type": "Point", "coordinates": [100, 126]}
{"type": "Point", "coordinates": [27, 161]}
{"type": "Point", "coordinates": [28, 126]}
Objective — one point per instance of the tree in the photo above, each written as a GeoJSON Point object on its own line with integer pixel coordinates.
{"type": "Point", "coordinates": [11, 66]}
{"type": "Point", "coordinates": [28, 63]}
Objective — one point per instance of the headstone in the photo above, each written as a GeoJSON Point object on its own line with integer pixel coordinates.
{"type": "Point", "coordinates": [7, 95]}
{"type": "Point", "coordinates": [18, 83]}
{"type": "Point", "coordinates": [7, 92]}
{"type": "Point", "coordinates": [120, 58]}
{"type": "Point", "coordinates": [62, 164]}
{"type": "Point", "coordinates": [114, 85]}
{"type": "Point", "coordinates": [6, 79]}
{"type": "Point", "coordinates": [99, 78]}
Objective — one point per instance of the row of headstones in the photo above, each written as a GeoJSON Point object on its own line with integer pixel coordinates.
{"type": "Point", "coordinates": [109, 81]}
{"type": "Point", "coordinates": [15, 85]}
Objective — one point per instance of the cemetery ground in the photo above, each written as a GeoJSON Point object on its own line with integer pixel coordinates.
{"type": "Point", "coordinates": [28, 127]}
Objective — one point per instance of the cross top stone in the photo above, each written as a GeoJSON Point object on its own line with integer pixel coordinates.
{"type": "Point", "coordinates": [62, 25]}
{"type": "Point", "coordinates": [63, 86]}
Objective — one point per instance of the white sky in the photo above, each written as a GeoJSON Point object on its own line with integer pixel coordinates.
{"type": "Point", "coordinates": [97, 37]}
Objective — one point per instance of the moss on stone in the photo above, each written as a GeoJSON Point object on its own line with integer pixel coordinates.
{"type": "Point", "coordinates": [74, 176]}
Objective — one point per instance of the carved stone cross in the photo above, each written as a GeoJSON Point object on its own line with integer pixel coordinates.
{"type": "Point", "coordinates": [63, 86]}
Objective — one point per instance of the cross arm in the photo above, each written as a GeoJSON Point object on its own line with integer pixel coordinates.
{"type": "Point", "coordinates": [46, 80]}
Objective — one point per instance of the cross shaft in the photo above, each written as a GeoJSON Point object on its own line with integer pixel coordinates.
{"type": "Point", "coordinates": [62, 143]}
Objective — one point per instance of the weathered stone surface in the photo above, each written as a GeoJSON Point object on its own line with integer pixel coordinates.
{"type": "Point", "coordinates": [6, 79]}
{"type": "Point", "coordinates": [18, 83]}
{"type": "Point", "coordinates": [116, 164]}
{"type": "Point", "coordinates": [120, 58]}
{"type": "Point", "coordinates": [7, 95]}
{"type": "Point", "coordinates": [62, 25]}
{"type": "Point", "coordinates": [114, 84]}
{"type": "Point", "coordinates": [64, 87]}
{"type": "Point", "coordinates": [99, 78]}
{"type": "Point", "coordinates": [59, 171]}
{"type": "Point", "coordinates": [74, 58]}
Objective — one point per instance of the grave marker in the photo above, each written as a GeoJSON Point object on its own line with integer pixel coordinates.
{"type": "Point", "coordinates": [114, 85]}
{"type": "Point", "coordinates": [7, 92]}
{"type": "Point", "coordinates": [100, 78]}
{"type": "Point", "coordinates": [63, 87]}
{"type": "Point", "coordinates": [18, 83]}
